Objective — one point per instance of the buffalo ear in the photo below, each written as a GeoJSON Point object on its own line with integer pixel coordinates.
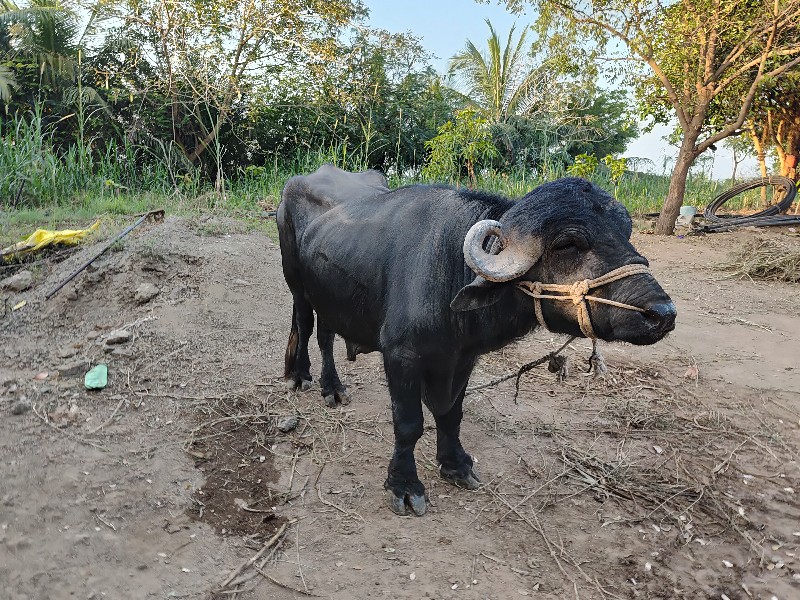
{"type": "Point", "coordinates": [478, 294]}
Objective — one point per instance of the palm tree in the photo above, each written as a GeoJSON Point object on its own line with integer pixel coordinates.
{"type": "Point", "coordinates": [44, 33]}
{"type": "Point", "coordinates": [498, 83]}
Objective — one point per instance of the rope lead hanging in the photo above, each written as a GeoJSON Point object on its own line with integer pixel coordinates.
{"type": "Point", "coordinates": [597, 364]}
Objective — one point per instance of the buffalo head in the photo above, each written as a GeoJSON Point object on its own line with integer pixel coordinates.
{"type": "Point", "coordinates": [562, 234]}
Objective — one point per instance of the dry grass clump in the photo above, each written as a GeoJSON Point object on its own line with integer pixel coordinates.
{"type": "Point", "coordinates": [766, 258]}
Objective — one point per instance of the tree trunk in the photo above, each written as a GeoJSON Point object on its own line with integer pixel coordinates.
{"type": "Point", "coordinates": [788, 154]}
{"type": "Point", "coordinates": [761, 155]}
{"type": "Point", "coordinates": [677, 186]}
{"type": "Point", "coordinates": [762, 166]}
{"type": "Point", "coordinates": [736, 162]}
{"type": "Point", "coordinates": [473, 180]}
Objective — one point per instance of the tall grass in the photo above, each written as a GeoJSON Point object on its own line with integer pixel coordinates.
{"type": "Point", "coordinates": [121, 180]}
{"type": "Point", "coordinates": [34, 174]}
{"type": "Point", "coordinates": [641, 193]}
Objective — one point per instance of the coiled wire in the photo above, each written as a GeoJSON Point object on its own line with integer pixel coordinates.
{"type": "Point", "coordinates": [768, 217]}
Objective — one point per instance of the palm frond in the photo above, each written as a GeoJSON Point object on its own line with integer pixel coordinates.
{"type": "Point", "coordinates": [88, 95]}
{"type": "Point", "coordinates": [497, 80]}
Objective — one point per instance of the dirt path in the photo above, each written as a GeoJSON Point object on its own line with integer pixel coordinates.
{"type": "Point", "coordinates": [647, 484]}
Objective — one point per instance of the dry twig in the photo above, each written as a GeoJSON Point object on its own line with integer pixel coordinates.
{"type": "Point", "coordinates": [267, 545]}
{"type": "Point", "coordinates": [109, 419]}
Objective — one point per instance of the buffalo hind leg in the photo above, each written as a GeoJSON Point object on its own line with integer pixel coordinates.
{"type": "Point", "coordinates": [456, 466]}
{"type": "Point", "coordinates": [297, 371]}
{"type": "Point", "coordinates": [331, 385]}
{"type": "Point", "coordinates": [404, 489]}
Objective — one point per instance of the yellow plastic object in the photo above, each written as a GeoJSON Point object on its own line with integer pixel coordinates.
{"type": "Point", "coordinates": [43, 237]}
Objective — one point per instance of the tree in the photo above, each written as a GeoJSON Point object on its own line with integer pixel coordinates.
{"type": "Point", "coordinates": [499, 82]}
{"type": "Point", "coordinates": [741, 147]}
{"type": "Point", "coordinates": [693, 52]}
{"type": "Point", "coordinates": [374, 106]}
{"type": "Point", "coordinates": [542, 110]}
{"type": "Point", "coordinates": [608, 121]}
{"type": "Point", "coordinates": [465, 143]}
{"type": "Point", "coordinates": [45, 32]}
{"type": "Point", "coordinates": [779, 114]}
{"type": "Point", "coordinates": [208, 56]}
{"type": "Point", "coordinates": [44, 46]}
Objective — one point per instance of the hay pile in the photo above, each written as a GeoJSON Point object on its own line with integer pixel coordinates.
{"type": "Point", "coordinates": [766, 258]}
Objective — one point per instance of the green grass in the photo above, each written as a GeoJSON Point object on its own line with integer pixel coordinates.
{"type": "Point", "coordinates": [72, 189]}
{"type": "Point", "coordinates": [245, 197]}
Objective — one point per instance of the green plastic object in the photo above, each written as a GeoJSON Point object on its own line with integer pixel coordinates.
{"type": "Point", "coordinates": [97, 378]}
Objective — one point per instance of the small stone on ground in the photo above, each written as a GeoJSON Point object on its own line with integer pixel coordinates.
{"type": "Point", "coordinates": [71, 368]}
{"type": "Point", "coordinates": [118, 336]}
{"type": "Point", "coordinates": [287, 424]}
{"type": "Point", "coordinates": [67, 352]}
{"type": "Point", "coordinates": [20, 407]}
{"type": "Point", "coordinates": [145, 292]}
{"type": "Point", "coordinates": [18, 282]}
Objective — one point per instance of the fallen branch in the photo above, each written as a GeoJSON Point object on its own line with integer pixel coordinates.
{"type": "Point", "coordinates": [352, 515]}
{"type": "Point", "coordinates": [269, 543]}
{"type": "Point", "coordinates": [109, 419]}
{"type": "Point", "coordinates": [283, 585]}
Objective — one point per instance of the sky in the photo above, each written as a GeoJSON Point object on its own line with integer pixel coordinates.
{"type": "Point", "coordinates": [445, 25]}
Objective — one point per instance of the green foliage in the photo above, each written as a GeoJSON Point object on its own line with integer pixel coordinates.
{"type": "Point", "coordinates": [606, 119]}
{"type": "Point", "coordinates": [375, 108]}
{"type": "Point", "coordinates": [463, 144]}
{"type": "Point", "coordinates": [585, 166]}
{"type": "Point", "coordinates": [33, 172]}
{"type": "Point", "coordinates": [543, 111]}
{"type": "Point", "coordinates": [127, 96]}
{"type": "Point", "coordinates": [616, 168]}
{"type": "Point", "coordinates": [534, 144]}
{"type": "Point", "coordinates": [700, 61]}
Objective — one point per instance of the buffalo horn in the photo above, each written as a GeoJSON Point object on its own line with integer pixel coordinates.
{"type": "Point", "coordinates": [508, 264]}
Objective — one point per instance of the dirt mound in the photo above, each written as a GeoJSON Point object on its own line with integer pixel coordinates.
{"type": "Point", "coordinates": [673, 477]}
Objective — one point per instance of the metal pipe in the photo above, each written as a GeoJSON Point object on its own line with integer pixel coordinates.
{"type": "Point", "coordinates": [157, 214]}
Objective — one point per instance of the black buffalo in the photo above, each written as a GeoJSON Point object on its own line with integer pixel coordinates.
{"type": "Point", "coordinates": [428, 275]}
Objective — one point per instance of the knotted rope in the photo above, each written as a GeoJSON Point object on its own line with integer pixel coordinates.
{"type": "Point", "coordinates": [578, 294]}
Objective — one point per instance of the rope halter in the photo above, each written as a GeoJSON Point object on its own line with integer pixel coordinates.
{"type": "Point", "coordinates": [578, 294]}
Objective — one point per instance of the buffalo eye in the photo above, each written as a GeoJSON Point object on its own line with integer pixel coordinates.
{"type": "Point", "coordinates": [570, 242]}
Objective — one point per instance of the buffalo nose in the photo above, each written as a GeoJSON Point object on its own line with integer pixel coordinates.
{"type": "Point", "coordinates": [663, 315]}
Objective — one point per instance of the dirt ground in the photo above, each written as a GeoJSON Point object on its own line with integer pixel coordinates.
{"type": "Point", "coordinates": [676, 476]}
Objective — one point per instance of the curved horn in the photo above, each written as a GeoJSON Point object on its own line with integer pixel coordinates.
{"type": "Point", "coordinates": [509, 264]}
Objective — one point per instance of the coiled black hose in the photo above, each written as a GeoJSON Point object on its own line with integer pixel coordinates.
{"type": "Point", "coordinates": [768, 217]}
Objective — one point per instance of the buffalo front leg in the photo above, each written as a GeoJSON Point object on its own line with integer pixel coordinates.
{"type": "Point", "coordinates": [403, 486]}
{"type": "Point", "coordinates": [330, 384]}
{"type": "Point", "coordinates": [456, 466]}
{"type": "Point", "coordinates": [297, 371]}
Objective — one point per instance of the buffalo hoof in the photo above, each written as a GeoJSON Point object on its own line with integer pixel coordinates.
{"type": "Point", "coordinates": [399, 505]}
{"type": "Point", "coordinates": [470, 481]}
{"type": "Point", "coordinates": [341, 395]}
{"type": "Point", "coordinates": [298, 384]}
